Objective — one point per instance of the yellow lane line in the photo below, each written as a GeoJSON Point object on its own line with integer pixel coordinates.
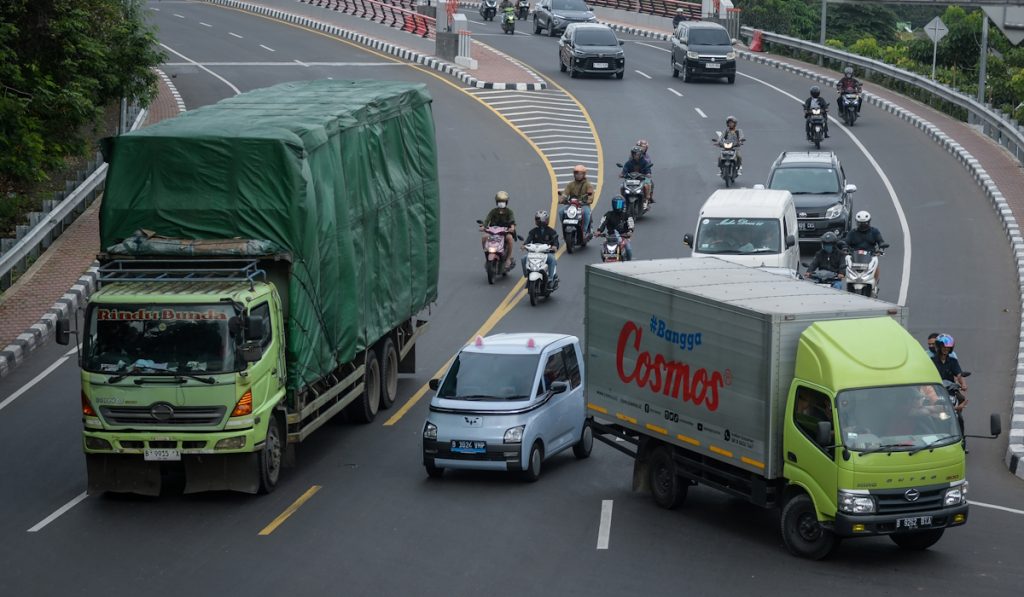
{"type": "Point", "coordinates": [270, 528]}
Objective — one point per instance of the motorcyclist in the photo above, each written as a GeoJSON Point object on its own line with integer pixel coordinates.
{"type": "Point", "coordinates": [949, 370]}
{"type": "Point", "coordinates": [580, 188]}
{"type": "Point", "coordinates": [543, 234]}
{"type": "Point", "coordinates": [679, 18]}
{"type": "Point", "coordinates": [617, 220]}
{"type": "Point", "coordinates": [849, 84]}
{"type": "Point", "coordinates": [864, 237]}
{"type": "Point", "coordinates": [505, 6]}
{"type": "Point", "coordinates": [638, 163]}
{"type": "Point", "coordinates": [501, 215]}
{"type": "Point", "coordinates": [644, 146]}
{"type": "Point", "coordinates": [828, 258]}
{"type": "Point", "coordinates": [732, 131]}
{"type": "Point", "coordinates": [815, 100]}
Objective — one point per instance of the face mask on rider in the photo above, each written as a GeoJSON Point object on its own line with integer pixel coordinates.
{"type": "Point", "coordinates": [501, 205]}
{"type": "Point", "coordinates": [826, 248]}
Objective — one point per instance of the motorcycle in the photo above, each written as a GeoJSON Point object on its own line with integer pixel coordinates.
{"type": "Point", "coordinates": [957, 398]}
{"type": "Point", "coordinates": [488, 8]}
{"type": "Point", "coordinates": [614, 247]}
{"type": "Point", "coordinates": [508, 21]}
{"type": "Point", "coordinates": [523, 9]}
{"type": "Point", "coordinates": [824, 277]}
{"type": "Point", "coordinates": [539, 284]}
{"type": "Point", "coordinates": [572, 226]}
{"type": "Point", "coordinates": [632, 190]}
{"type": "Point", "coordinates": [848, 102]}
{"type": "Point", "coordinates": [728, 169]}
{"type": "Point", "coordinates": [494, 252]}
{"type": "Point", "coordinates": [861, 266]}
{"type": "Point", "coordinates": [816, 126]}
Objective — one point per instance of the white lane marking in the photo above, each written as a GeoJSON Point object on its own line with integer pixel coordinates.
{"type": "Point", "coordinates": [675, 92]}
{"type": "Point", "coordinates": [179, 16]}
{"type": "Point", "coordinates": [194, 63]}
{"type": "Point", "coordinates": [267, 49]}
{"type": "Point", "coordinates": [642, 74]}
{"type": "Point", "coordinates": [28, 386]}
{"type": "Point", "coordinates": [42, 523]}
{"type": "Point", "coordinates": [640, 43]}
{"type": "Point", "coordinates": [205, 24]}
{"type": "Point", "coordinates": [604, 531]}
{"type": "Point", "coordinates": [995, 507]}
{"type": "Point", "coordinates": [905, 282]}
{"type": "Point", "coordinates": [701, 112]}
{"type": "Point", "coordinates": [301, 63]}
{"type": "Point", "coordinates": [235, 34]}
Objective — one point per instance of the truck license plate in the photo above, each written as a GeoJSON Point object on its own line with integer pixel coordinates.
{"type": "Point", "coordinates": [807, 225]}
{"type": "Point", "coordinates": [460, 446]}
{"type": "Point", "coordinates": [713, 65]}
{"type": "Point", "coordinates": [915, 522]}
{"type": "Point", "coordinates": [161, 454]}
{"type": "Point", "coordinates": [600, 65]}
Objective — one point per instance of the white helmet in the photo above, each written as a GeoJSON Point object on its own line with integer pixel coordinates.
{"type": "Point", "coordinates": [862, 217]}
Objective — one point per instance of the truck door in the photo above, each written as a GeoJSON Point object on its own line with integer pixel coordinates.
{"type": "Point", "coordinates": [806, 461]}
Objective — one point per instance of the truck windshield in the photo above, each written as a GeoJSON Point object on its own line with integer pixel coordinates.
{"type": "Point", "coordinates": [738, 236]}
{"type": "Point", "coordinates": [487, 376]}
{"type": "Point", "coordinates": [896, 418]}
{"type": "Point", "coordinates": [155, 339]}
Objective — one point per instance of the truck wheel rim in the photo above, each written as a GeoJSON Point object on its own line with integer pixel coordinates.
{"type": "Point", "coordinates": [273, 454]}
{"type": "Point", "coordinates": [808, 527]}
{"type": "Point", "coordinates": [391, 374]}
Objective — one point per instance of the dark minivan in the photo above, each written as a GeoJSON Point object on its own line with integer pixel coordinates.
{"type": "Point", "coordinates": [703, 50]}
{"type": "Point", "coordinates": [824, 200]}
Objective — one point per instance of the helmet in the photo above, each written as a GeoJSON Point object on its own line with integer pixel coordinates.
{"type": "Point", "coordinates": [618, 203]}
{"type": "Point", "coordinates": [946, 340]}
{"type": "Point", "coordinates": [501, 196]}
{"type": "Point", "coordinates": [636, 151]}
{"type": "Point", "coordinates": [541, 216]}
{"type": "Point", "coordinates": [730, 118]}
{"type": "Point", "coordinates": [679, 11]}
{"type": "Point", "coordinates": [829, 238]}
{"type": "Point", "coordinates": [848, 71]}
{"type": "Point", "coordinates": [579, 168]}
{"type": "Point", "coordinates": [642, 144]}
{"type": "Point", "coordinates": [815, 91]}
{"type": "Point", "coordinates": [862, 217]}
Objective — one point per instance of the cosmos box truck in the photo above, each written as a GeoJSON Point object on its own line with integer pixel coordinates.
{"type": "Point", "coordinates": [266, 259]}
{"type": "Point", "coordinates": [779, 391]}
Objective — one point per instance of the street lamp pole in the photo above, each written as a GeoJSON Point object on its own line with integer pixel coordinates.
{"type": "Point", "coordinates": [821, 40]}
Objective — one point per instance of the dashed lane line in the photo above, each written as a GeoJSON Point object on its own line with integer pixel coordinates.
{"type": "Point", "coordinates": [604, 531]}
{"type": "Point", "coordinates": [701, 112]}
{"type": "Point", "coordinates": [642, 74]}
{"type": "Point", "coordinates": [267, 49]}
{"type": "Point", "coordinates": [235, 35]}
{"type": "Point", "coordinates": [675, 92]}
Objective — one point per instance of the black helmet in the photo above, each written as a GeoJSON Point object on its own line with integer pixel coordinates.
{"type": "Point", "coordinates": [729, 119]}
{"type": "Point", "coordinates": [815, 91]}
{"type": "Point", "coordinates": [829, 238]}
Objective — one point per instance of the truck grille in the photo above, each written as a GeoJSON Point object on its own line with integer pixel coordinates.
{"type": "Point", "coordinates": [162, 414]}
{"type": "Point", "coordinates": [894, 501]}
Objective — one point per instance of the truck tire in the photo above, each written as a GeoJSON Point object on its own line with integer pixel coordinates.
{"type": "Point", "coordinates": [533, 464]}
{"type": "Point", "coordinates": [365, 408]}
{"type": "Point", "coordinates": [582, 448]}
{"type": "Point", "coordinates": [269, 458]}
{"type": "Point", "coordinates": [667, 487]}
{"type": "Point", "coordinates": [918, 541]}
{"type": "Point", "coordinates": [389, 373]}
{"type": "Point", "coordinates": [802, 533]}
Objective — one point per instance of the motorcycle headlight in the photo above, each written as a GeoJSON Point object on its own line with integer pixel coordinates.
{"type": "Point", "coordinates": [956, 495]}
{"type": "Point", "coordinates": [731, 55]}
{"type": "Point", "coordinates": [692, 55]}
{"type": "Point", "coordinates": [834, 212]}
{"type": "Point", "coordinates": [855, 502]}
{"type": "Point", "coordinates": [572, 212]}
{"type": "Point", "coordinates": [430, 431]}
{"type": "Point", "coordinates": [514, 435]}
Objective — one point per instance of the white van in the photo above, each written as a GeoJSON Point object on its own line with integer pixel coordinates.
{"type": "Point", "coordinates": [752, 227]}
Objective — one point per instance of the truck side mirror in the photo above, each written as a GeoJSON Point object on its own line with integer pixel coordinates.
{"type": "Point", "coordinates": [62, 335]}
{"type": "Point", "coordinates": [688, 240]}
{"type": "Point", "coordinates": [558, 387]}
{"type": "Point", "coordinates": [995, 425]}
{"type": "Point", "coordinates": [254, 327]}
{"type": "Point", "coordinates": [434, 384]}
{"type": "Point", "coordinates": [824, 437]}
{"type": "Point", "coordinates": [790, 241]}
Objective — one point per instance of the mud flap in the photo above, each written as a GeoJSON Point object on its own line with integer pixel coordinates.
{"type": "Point", "coordinates": [220, 472]}
{"type": "Point", "coordinates": [122, 474]}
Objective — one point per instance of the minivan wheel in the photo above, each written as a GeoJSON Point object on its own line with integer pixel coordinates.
{"type": "Point", "coordinates": [532, 471]}
{"type": "Point", "coordinates": [582, 448]}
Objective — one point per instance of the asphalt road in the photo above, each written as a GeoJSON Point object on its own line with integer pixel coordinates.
{"type": "Point", "coordinates": [377, 525]}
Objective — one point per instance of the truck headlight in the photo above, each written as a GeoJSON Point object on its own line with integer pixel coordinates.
{"type": "Point", "coordinates": [514, 435]}
{"type": "Point", "coordinates": [430, 431]}
{"type": "Point", "coordinates": [230, 443]}
{"type": "Point", "coordinates": [956, 495]}
{"type": "Point", "coordinates": [834, 212]}
{"type": "Point", "coordinates": [97, 443]}
{"type": "Point", "coordinates": [856, 502]}
{"type": "Point", "coordinates": [692, 55]}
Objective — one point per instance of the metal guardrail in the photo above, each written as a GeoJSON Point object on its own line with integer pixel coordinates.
{"type": "Point", "coordinates": [996, 124]}
{"type": "Point", "coordinates": [399, 14]}
{"type": "Point", "coordinates": [28, 248]}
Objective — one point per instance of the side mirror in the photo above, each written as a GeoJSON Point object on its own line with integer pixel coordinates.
{"type": "Point", "coordinates": [621, 42]}
{"type": "Point", "coordinates": [884, 246]}
{"type": "Point", "coordinates": [250, 352]}
{"type": "Point", "coordinates": [743, 139]}
{"type": "Point", "coordinates": [254, 327]}
{"type": "Point", "coordinates": [688, 240]}
{"type": "Point", "coordinates": [804, 265]}
{"type": "Point", "coordinates": [790, 241]}
{"type": "Point", "coordinates": [965, 373]}
{"type": "Point", "coordinates": [434, 384]}
{"type": "Point", "coordinates": [759, 187]}
{"type": "Point", "coordinates": [851, 188]}
{"type": "Point", "coordinates": [558, 387]}
{"type": "Point", "coordinates": [481, 222]}
{"type": "Point", "coordinates": [824, 436]}
{"type": "Point", "coordinates": [618, 164]}
{"type": "Point", "coordinates": [62, 334]}
{"type": "Point", "coordinates": [995, 425]}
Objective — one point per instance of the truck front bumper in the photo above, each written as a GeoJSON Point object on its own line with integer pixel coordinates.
{"type": "Point", "coordinates": [848, 525]}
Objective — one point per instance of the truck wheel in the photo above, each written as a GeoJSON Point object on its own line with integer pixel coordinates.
{"type": "Point", "coordinates": [389, 373]}
{"type": "Point", "coordinates": [802, 533]}
{"type": "Point", "coordinates": [582, 448]}
{"type": "Point", "coordinates": [668, 489]}
{"type": "Point", "coordinates": [532, 471]}
{"type": "Point", "coordinates": [269, 458]}
{"type": "Point", "coordinates": [434, 471]}
{"type": "Point", "coordinates": [364, 409]}
{"type": "Point", "coordinates": [918, 541]}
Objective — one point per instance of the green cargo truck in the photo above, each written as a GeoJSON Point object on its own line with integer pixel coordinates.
{"type": "Point", "coordinates": [776, 390]}
{"type": "Point", "coordinates": [266, 262]}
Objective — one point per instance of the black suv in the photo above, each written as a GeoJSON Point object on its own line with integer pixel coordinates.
{"type": "Point", "coordinates": [555, 15]}
{"type": "Point", "coordinates": [591, 48]}
{"type": "Point", "coordinates": [822, 195]}
{"type": "Point", "coordinates": [702, 50]}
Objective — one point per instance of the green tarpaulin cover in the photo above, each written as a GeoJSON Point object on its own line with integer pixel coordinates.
{"type": "Point", "coordinates": [341, 174]}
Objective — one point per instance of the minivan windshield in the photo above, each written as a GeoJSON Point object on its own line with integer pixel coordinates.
{"type": "Point", "coordinates": [596, 37]}
{"type": "Point", "coordinates": [709, 37]}
{"type": "Point", "coordinates": [738, 236]}
{"type": "Point", "coordinates": [896, 418]}
{"type": "Point", "coordinates": [806, 181]}
{"type": "Point", "coordinates": [578, 5]}
{"type": "Point", "coordinates": [490, 377]}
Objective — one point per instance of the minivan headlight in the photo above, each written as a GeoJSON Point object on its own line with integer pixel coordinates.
{"type": "Point", "coordinates": [856, 503]}
{"type": "Point", "coordinates": [834, 212]}
{"type": "Point", "coordinates": [731, 55]}
{"type": "Point", "coordinates": [692, 55]}
{"type": "Point", "coordinates": [430, 431]}
{"type": "Point", "coordinates": [514, 435]}
{"type": "Point", "coordinates": [956, 495]}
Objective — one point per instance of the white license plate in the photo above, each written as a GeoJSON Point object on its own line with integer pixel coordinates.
{"type": "Point", "coordinates": [915, 522]}
{"type": "Point", "coordinates": [712, 65]}
{"type": "Point", "coordinates": [600, 65]}
{"type": "Point", "coordinates": [161, 454]}
{"type": "Point", "coordinates": [807, 225]}
{"type": "Point", "coordinates": [570, 222]}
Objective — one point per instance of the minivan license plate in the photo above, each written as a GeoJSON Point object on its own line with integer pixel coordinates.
{"type": "Point", "coordinates": [600, 65]}
{"type": "Point", "coordinates": [161, 454]}
{"type": "Point", "coordinates": [915, 522]}
{"type": "Point", "coordinates": [713, 65]}
{"type": "Point", "coordinates": [461, 446]}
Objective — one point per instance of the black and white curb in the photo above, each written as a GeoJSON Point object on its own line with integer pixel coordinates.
{"type": "Point", "coordinates": [638, 31]}
{"type": "Point", "coordinates": [383, 46]}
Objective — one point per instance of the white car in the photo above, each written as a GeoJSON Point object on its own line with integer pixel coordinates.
{"type": "Point", "coordinates": [508, 403]}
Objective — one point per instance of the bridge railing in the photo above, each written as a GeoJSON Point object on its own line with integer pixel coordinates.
{"type": "Point", "coordinates": [400, 14]}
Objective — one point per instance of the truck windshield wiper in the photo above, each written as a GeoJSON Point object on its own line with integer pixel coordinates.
{"type": "Point", "coordinates": [178, 378]}
{"type": "Point", "coordinates": [880, 448]}
{"type": "Point", "coordinates": [934, 444]}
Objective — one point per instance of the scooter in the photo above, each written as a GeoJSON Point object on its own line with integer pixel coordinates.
{"type": "Point", "coordinates": [523, 9]}
{"type": "Point", "coordinates": [539, 283]}
{"type": "Point", "coordinates": [488, 8]}
{"type": "Point", "coordinates": [861, 266]}
{"type": "Point", "coordinates": [728, 169]}
{"type": "Point", "coordinates": [824, 277]}
{"type": "Point", "coordinates": [572, 226]}
{"type": "Point", "coordinates": [632, 190]}
{"type": "Point", "coordinates": [848, 103]}
{"type": "Point", "coordinates": [508, 21]}
{"type": "Point", "coordinates": [816, 126]}
{"type": "Point", "coordinates": [494, 252]}
{"type": "Point", "coordinates": [614, 247]}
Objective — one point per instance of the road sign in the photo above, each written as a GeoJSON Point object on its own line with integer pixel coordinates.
{"type": "Point", "coordinates": [936, 29]}
{"type": "Point", "coordinates": [1009, 19]}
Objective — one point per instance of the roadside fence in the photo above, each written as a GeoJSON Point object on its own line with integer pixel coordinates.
{"type": "Point", "coordinates": [400, 14]}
